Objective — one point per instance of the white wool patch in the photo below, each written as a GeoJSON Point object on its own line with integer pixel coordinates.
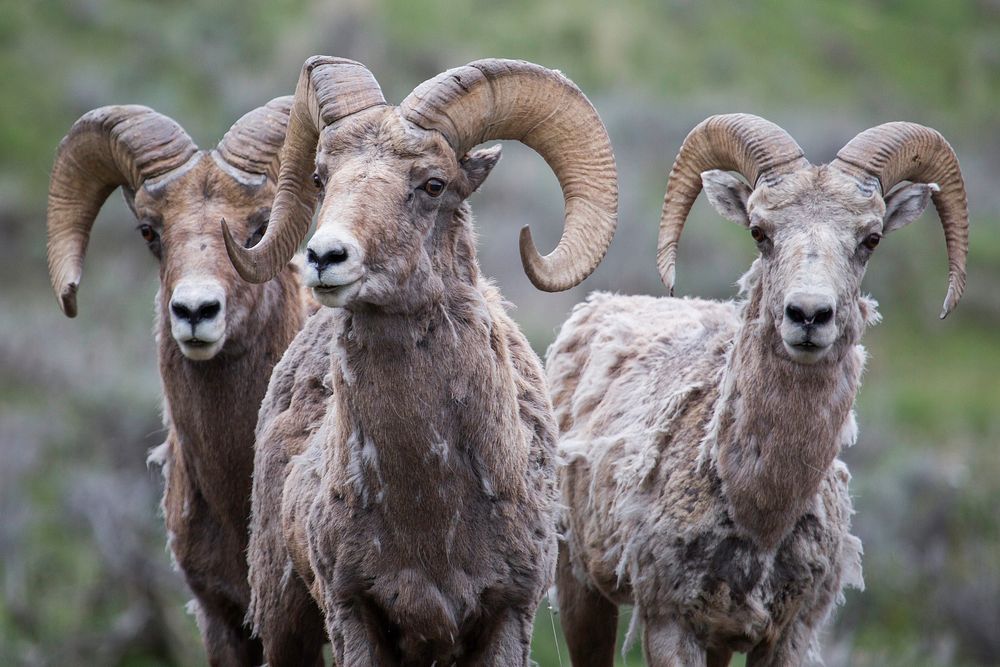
{"type": "Point", "coordinates": [571, 449]}
{"type": "Point", "coordinates": [194, 609]}
{"type": "Point", "coordinates": [851, 552]}
{"type": "Point", "coordinates": [439, 447]}
{"type": "Point", "coordinates": [449, 322]}
{"type": "Point", "coordinates": [355, 475]}
{"type": "Point", "coordinates": [849, 431]}
{"type": "Point", "coordinates": [487, 485]}
{"type": "Point", "coordinates": [369, 454]}
{"type": "Point", "coordinates": [171, 539]}
{"type": "Point", "coordinates": [157, 456]}
{"type": "Point", "coordinates": [286, 574]}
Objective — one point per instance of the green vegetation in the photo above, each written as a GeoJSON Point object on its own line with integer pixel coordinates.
{"type": "Point", "coordinates": [84, 576]}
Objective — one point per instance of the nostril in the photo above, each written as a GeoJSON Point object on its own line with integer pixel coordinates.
{"type": "Point", "coordinates": [795, 314]}
{"type": "Point", "coordinates": [335, 256]}
{"type": "Point", "coordinates": [207, 311]}
{"type": "Point", "coordinates": [181, 311]}
{"type": "Point", "coordinates": [822, 316]}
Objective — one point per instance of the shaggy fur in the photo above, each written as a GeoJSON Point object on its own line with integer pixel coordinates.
{"type": "Point", "coordinates": [404, 474]}
{"type": "Point", "coordinates": [702, 482]}
{"type": "Point", "coordinates": [210, 407]}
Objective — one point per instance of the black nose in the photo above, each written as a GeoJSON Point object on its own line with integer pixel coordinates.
{"type": "Point", "coordinates": [335, 256]}
{"type": "Point", "coordinates": [819, 316]}
{"type": "Point", "coordinates": [205, 311]}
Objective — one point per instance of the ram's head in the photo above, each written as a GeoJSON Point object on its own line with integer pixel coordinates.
{"type": "Point", "coordinates": [393, 224]}
{"type": "Point", "coordinates": [178, 195]}
{"type": "Point", "coordinates": [816, 227]}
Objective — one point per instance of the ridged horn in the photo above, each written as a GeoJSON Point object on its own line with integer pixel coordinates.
{"type": "Point", "coordinates": [328, 89]}
{"type": "Point", "coordinates": [541, 108]}
{"type": "Point", "coordinates": [756, 148]}
{"type": "Point", "coordinates": [106, 148]}
{"type": "Point", "coordinates": [899, 151]}
{"type": "Point", "coordinates": [253, 143]}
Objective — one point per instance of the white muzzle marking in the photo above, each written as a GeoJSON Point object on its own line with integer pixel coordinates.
{"type": "Point", "coordinates": [198, 317]}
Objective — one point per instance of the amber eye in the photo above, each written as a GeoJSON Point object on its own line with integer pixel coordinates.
{"type": "Point", "coordinates": [434, 187]}
{"type": "Point", "coordinates": [872, 240]}
{"type": "Point", "coordinates": [758, 234]}
{"type": "Point", "coordinates": [317, 181]}
{"type": "Point", "coordinates": [148, 233]}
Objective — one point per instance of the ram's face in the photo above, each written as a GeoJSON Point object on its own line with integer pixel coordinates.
{"type": "Point", "coordinates": [201, 294]}
{"type": "Point", "coordinates": [816, 230]}
{"type": "Point", "coordinates": [389, 193]}
{"type": "Point", "coordinates": [815, 235]}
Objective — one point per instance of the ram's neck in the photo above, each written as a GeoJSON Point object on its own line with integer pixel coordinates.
{"type": "Point", "coordinates": [426, 405]}
{"type": "Point", "coordinates": [211, 406]}
{"type": "Point", "coordinates": [778, 427]}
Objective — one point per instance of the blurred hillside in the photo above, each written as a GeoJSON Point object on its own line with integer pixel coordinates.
{"type": "Point", "coordinates": [84, 575]}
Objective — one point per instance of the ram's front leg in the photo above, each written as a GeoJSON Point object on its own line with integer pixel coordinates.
{"type": "Point", "coordinates": [356, 636]}
{"type": "Point", "coordinates": [509, 643]}
{"type": "Point", "coordinates": [791, 647]}
{"type": "Point", "coordinates": [669, 644]}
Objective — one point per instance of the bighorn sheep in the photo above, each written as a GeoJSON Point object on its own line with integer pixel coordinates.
{"type": "Point", "coordinates": [701, 438]}
{"type": "Point", "coordinates": [218, 338]}
{"type": "Point", "coordinates": [405, 472]}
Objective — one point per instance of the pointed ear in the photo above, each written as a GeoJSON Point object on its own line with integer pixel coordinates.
{"type": "Point", "coordinates": [477, 165]}
{"type": "Point", "coordinates": [906, 204]}
{"type": "Point", "coordinates": [727, 194]}
{"type": "Point", "coordinates": [128, 194]}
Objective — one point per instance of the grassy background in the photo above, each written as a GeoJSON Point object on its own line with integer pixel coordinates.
{"type": "Point", "coordinates": [84, 577]}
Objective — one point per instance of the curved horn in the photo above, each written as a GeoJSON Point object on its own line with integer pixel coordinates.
{"type": "Point", "coordinates": [541, 108]}
{"type": "Point", "coordinates": [328, 89]}
{"type": "Point", "coordinates": [754, 147]}
{"type": "Point", "coordinates": [895, 152]}
{"type": "Point", "coordinates": [254, 142]}
{"type": "Point", "coordinates": [106, 148]}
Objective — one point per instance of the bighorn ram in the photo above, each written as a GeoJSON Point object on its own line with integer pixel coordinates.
{"type": "Point", "coordinates": [405, 472]}
{"type": "Point", "coordinates": [218, 337]}
{"type": "Point", "coordinates": [701, 438]}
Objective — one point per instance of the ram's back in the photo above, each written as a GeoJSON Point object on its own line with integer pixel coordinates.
{"type": "Point", "coordinates": [619, 359]}
{"type": "Point", "coordinates": [633, 381]}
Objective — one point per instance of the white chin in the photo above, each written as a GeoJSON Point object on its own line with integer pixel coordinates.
{"type": "Point", "coordinates": [201, 351]}
{"type": "Point", "coordinates": [337, 297]}
{"type": "Point", "coordinates": [805, 356]}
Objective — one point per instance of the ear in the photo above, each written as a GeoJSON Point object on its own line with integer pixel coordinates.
{"type": "Point", "coordinates": [727, 194]}
{"type": "Point", "coordinates": [477, 165]}
{"type": "Point", "coordinates": [906, 204]}
{"type": "Point", "coordinates": [128, 194]}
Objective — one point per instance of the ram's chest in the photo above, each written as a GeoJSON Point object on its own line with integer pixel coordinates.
{"type": "Point", "coordinates": [431, 557]}
{"type": "Point", "coordinates": [732, 592]}
{"type": "Point", "coordinates": [436, 573]}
